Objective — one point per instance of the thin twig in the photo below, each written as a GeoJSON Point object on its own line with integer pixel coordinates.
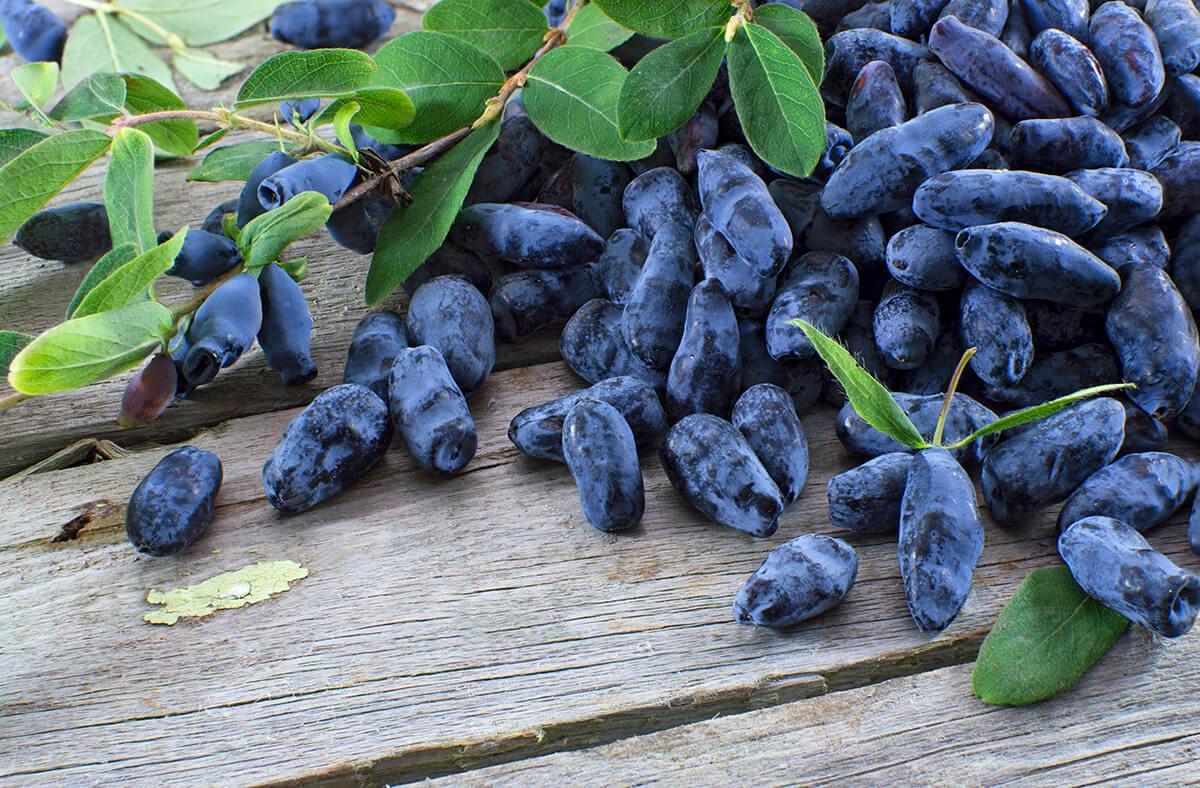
{"type": "Point", "coordinates": [195, 302]}
{"type": "Point", "coordinates": [129, 121]}
{"type": "Point", "coordinates": [556, 37]}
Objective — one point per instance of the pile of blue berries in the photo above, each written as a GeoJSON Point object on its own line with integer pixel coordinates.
{"type": "Point", "coordinates": [1021, 177]}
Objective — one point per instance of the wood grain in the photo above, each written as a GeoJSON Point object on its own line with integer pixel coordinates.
{"type": "Point", "coordinates": [447, 623]}
{"type": "Point", "coordinates": [1131, 720]}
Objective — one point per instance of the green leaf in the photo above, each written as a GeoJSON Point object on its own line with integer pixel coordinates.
{"type": "Point", "coordinates": [89, 349]}
{"type": "Point", "coordinates": [341, 127]}
{"type": "Point", "coordinates": [14, 142]}
{"type": "Point", "coordinates": [232, 162]}
{"type": "Point", "coordinates": [572, 96]}
{"type": "Point", "coordinates": [297, 269]}
{"type": "Point", "coordinates": [317, 73]}
{"type": "Point", "coordinates": [212, 138]}
{"type": "Point", "coordinates": [131, 280]}
{"type": "Point", "coordinates": [101, 43]}
{"type": "Point", "coordinates": [144, 95]}
{"type": "Point", "coordinates": [667, 18]}
{"type": "Point", "coordinates": [508, 30]}
{"type": "Point", "coordinates": [99, 97]}
{"type": "Point", "coordinates": [36, 81]}
{"type": "Point", "coordinates": [666, 87]}
{"type": "Point", "coordinates": [448, 80]}
{"type": "Point", "coordinates": [39, 172]}
{"type": "Point", "coordinates": [129, 190]}
{"type": "Point", "coordinates": [11, 343]}
{"type": "Point", "coordinates": [1035, 412]}
{"type": "Point", "coordinates": [591, 28]}
{"type": "Point", "coordinates": [797, 32]}
{"type": "Point", "coordinates": [385, 108]}
{"type": "Point", "coordinates": [200, 22]}
{"type": "Point", "coordinates": [265, 237]}
{"type": "Point", "coordinates": [781, 111]}
{"type": "Point", "coordinates": [116, 257]}
{"type": "Point", "coordinates": [204, 70]}
{"type": "Point", "coordinates": [1044, 640]}
{"type": "Point", "coordinates": [414, 232]}
{"type": "Point", "coordinates": [870, 399]}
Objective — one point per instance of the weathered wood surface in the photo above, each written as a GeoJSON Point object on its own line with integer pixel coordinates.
{"type": "Point", "coordinates": [446, 623]}
{"type": "Point", "coordinates": [1131, 721]}
{"type": "Point", "coordinates": [466, 622]}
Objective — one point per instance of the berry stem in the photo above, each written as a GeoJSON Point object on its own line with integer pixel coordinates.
{"type": "Point", "coordinates": [743, 13]}
{"type": "Point", "coordinates": [195, 302]}
{"type": "Point", "coordinates": [954, 381]}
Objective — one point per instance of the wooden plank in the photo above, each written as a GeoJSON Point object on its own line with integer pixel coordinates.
{"type": "Point", "coordinates": [447, 623]}
{"type": "Point", "coordinates": [1132, 720]}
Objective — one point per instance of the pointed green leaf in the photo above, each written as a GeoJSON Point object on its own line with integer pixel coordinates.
{"type": "Point", "coordinates": [129, 190]}
{"type": "Point", "coordinates": [781, 111]}
{"type": "Point", "coordinates": [667, 18]}
{"type": "Point", "coordinates": [116, 257]}
{"type": "Point", "coordinates": [204, 70]}
{"type": "Point", "coordinates": [592, 28]}
{"type": "Point", "coordinates": [11, 343]}
{"type": "Point", "coordinates": [448, 80]}
{"type": "Point", "coordinates": [1035, 412]}
{"type": "Point", "coordinates": [869, 398]}
{"type": "Point", "coordinates": [99, 97]}
{"type": "Point", "coordinates": [232, 162]}
{"type": "Point", "coordinates": [14, 142]}
{"type": "Point", "coordinates": [265, 237]}
{"type": "Point", "coordinates": [508, 30]}
{"type": "Point", "coordinates": [341, 127]}
{"type": "Point", "coordinates": [317, 73]}
{"type": "Point", "coordinates": [39, 172]}
{"type": "Point", "coordinates": [572, 96]}
{"type": "Point", "coordinates": [798, 32]}
{"type": "Point", "coordinates": [144, 95]}
{"type": "Point", "coordinates": [36, 81]}
{"type": "Point", "coordinates": [89, 349]}
{"type": "Point", "coordinates": [131, 280]}
{"type": "Point", "coordinates": [102, 43]}
{"type": "Point", "coordinates": [211, 138]}
{"type": "Point", "coordinates": [414, 232]}
{"type": "Point", "coordinates": [384, 108]}
{"type": "Point", "coordinates": [666, 87]}
{"type": "Point", "coordinates": [1044, 640]}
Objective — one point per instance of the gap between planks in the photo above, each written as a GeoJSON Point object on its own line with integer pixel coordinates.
{"type": "Point", "coordinates": [1131, 718]}
{"type": "Point", "coordinates": [447, 624]}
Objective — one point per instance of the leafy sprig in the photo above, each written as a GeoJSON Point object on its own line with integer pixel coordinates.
{"type": "Point", "coordinates": [1050, 632]}
{"type": "Point", "coordinates": [442, 88]}
{"type": "Point", "coordinates": [121, 36]}
{"type": "Point", "coordinates": [877, 407]}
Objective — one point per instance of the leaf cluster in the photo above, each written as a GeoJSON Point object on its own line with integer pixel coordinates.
{"type": "Point", "coordinates": [121, 37]}
{"type": "Point", "coordinates": [440, 87]}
